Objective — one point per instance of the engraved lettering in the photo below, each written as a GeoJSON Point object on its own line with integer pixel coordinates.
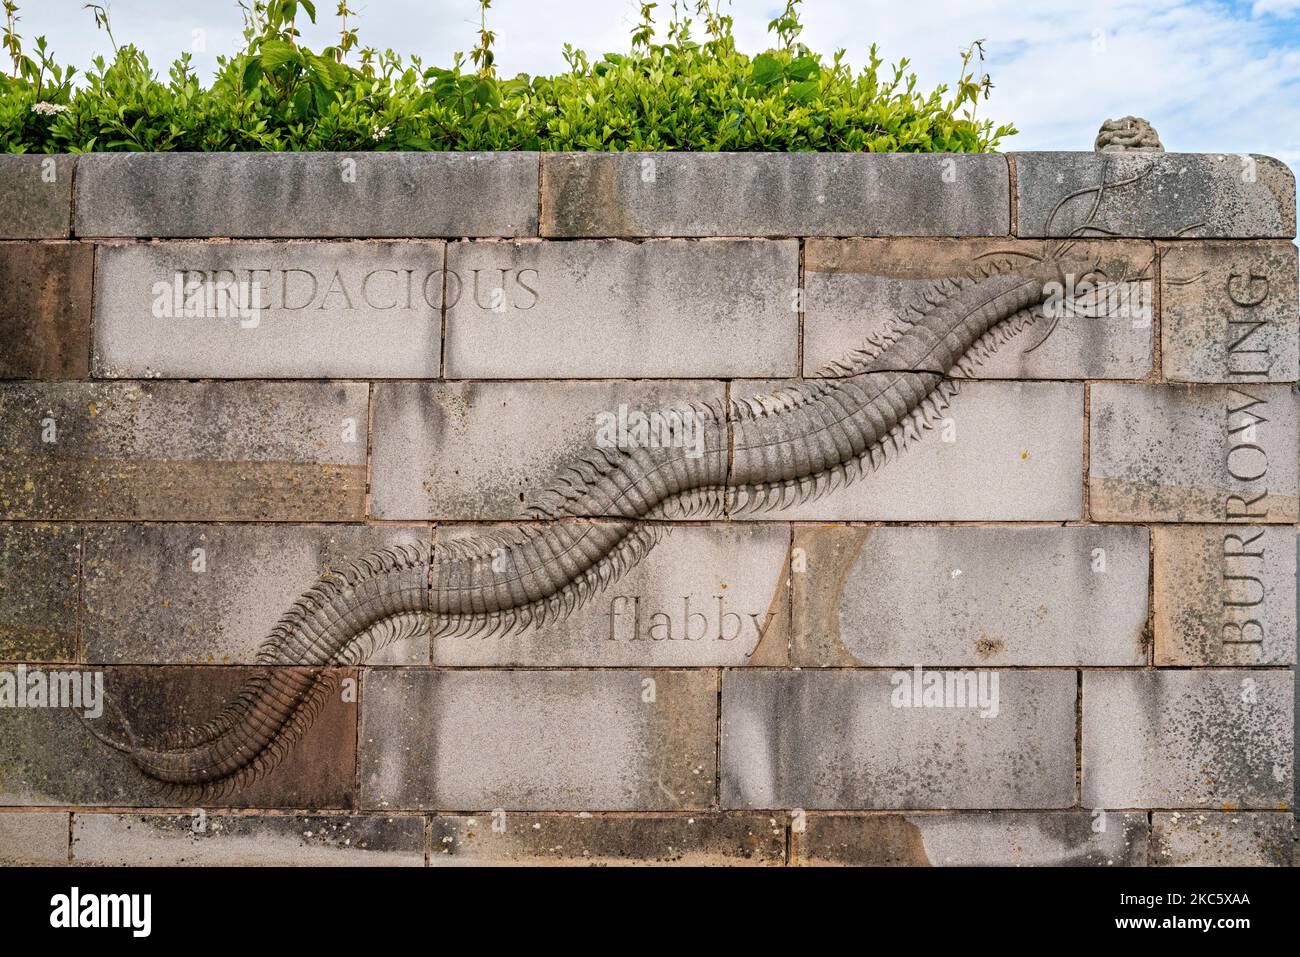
{"type": "Point", "coordinates": [1255, 291]}
{"type": "Point", "coordinates": [365, 288]}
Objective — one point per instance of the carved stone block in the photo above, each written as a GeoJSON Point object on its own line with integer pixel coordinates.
{"type": "Point", "coordinates": [51, 759]}
{"type": "Point", "coordinates": [610, 309]}
{"type": "Point", "coordinates": [313, 195]}
{"type": "Point", "coordinates": [1222, 839]}
{"type": "Point", "coordinates": [1174, 739]}
{"type": "Point", "coordinates": [209, 594]}
{"type": "Point", "coordinates": [859, 739]}
{"type": "Point", "coordinates": [539, 740]}
{"type": "Point", "coordinates": [1229, 312]}
{"type": "Point", "coordinates": [973, 839]}
{"type": "Point", "coordinates": [983, 597]}
{"type": "Point", "coordinates": [45, 309]}
{"type": "Point", "coordinates": [243, 840]}
{"type": "Point", "coordinates": [994, 451]}
{"type": "Point", "coordinates": [210, 451]}
{"type": "Point", "coordinates": [1171, 453]}
{"type": "Point", "coordinates": [438, 447]}
{"type": "Point", "coordinates": [40, 578]}
{"type": "Point", "coordinates": [559, 840]}
{"type": "Point", "coordinates": [1224, 594]}
{"type": "Point", "coordinates": [37, 838]}
{"type": "Point", "coordinates": [774, 194]}
{"type": "Point", "coordinates": [1154, 195]}
{"type": "Point", "coordinates": [36, 196]}
{"type": "Point", "coordinates": [269, 310]}
{"type": "Point", "coordinates": [703, 595]}
{"type": "Point", "coordinates": [1103, 310]}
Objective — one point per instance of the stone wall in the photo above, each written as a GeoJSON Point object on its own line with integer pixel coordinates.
{"type": "Point", "coordinates": [228, 373]}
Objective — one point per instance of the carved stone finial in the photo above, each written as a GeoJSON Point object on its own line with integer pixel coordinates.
{"type": "Point", "coordinates": [1129, 133]}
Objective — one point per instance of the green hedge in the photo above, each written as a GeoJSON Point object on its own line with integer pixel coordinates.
{"type": "Point", "coordinates": [684, 94]}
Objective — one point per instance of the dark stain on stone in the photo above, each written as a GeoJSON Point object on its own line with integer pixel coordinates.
{"type": "Point", "coordinates": [45, 291]}
{"type": "Point", "coordinates": [885, 840]}
{"type": "Point", "coordinates": [831, 554]}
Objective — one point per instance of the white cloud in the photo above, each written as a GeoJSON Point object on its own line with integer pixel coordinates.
{"type": "Point", "coordinates": [1280, 8]}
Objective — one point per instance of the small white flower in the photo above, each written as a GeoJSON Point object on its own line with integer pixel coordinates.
{"type": "Point", "coordinates": [380, 133]}
{"type": "Point", "coordinates": [49, 109]}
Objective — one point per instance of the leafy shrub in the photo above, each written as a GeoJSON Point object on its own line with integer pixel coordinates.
{"type": "Point", "coordinates": [683, 94]}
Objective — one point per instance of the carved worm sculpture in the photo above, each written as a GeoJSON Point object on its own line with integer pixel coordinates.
{"type": "Point", "coordinates": [778, 449]}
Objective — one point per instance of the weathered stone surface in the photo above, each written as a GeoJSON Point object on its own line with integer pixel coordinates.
{"type": "Point", "coordinates": [48, 757]}
{"type": "Point", "coordinates": [210, 451]}
{"type": "Point", "coordinates": [210, 594]}
{"type": "Point", "coordinates": [704, 595]}
{"type": "Point", "coordinates": [33, 837]}
{"type": "Point", "coordinates": [45, 309]}
{"type": "Point", "coordinates": [557, 840]}
{"type": "Point", "coordinates": [774, 194]}
{"type": "Point", "coordinates": [1224, 595]}
{"type": "Point", "coordinates": [539, 740]}
{"type": "Point", "coordinates": [609, 308]}
{"type": "Point", "coordinates": [1229, 312]}
{"type": "Point", "coordinates": [1173, 739]}
{"type": "Point", "coordinates": [229, 840]}
{"type": "Point", "coordinates": [962, 595]}
{"type": "Point", "coordinates": [40, 578]}
{"type": "Point", "coordinates": [35, 196]}
{"type": "Point", "coordinates": [317, 195]}
{"type": "Point", "coordinates": [1221, 839]}
{"type": "Point", "coordinates": [1174, 195]}
{"type": "Point", "coordinates": [855, 288]}
{"type": "Point", "coordinates": [279, 310]}
{"type": "Point", "coordinates": [1002, 451]}
{"type": "Point", "coordinates": [976, 839]}
{"type": "Point", "coordinates": [834, 739]}
{"type": "Point", "coordinates": [479, 450]}
{"type": "Point", "coordinates": [1193, 453]}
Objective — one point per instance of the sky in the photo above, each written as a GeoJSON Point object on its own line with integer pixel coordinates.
{"type": "Point", "coordinates": [1210, 76]}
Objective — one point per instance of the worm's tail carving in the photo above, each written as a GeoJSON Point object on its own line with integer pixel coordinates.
{"type": "Point", "coordinates": [351, 612]}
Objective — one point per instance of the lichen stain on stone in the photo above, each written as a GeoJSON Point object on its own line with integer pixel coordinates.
{"type": "Point", "coordinates": [598, 199]}
{"type": "Point", "coordinates": [1117, 499]}
{"type": "Point", "coordinates": [832, 556]}
{"type": "Point", "coordinates": [1233, 738]}
{"type": "Point", "coordinates": [456, 405]}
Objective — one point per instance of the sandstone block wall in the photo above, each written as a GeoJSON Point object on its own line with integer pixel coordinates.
{"type": "Point", "coordinates": [225, 374]}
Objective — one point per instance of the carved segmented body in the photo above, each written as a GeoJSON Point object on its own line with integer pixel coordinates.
{"type": "Point", "coordinates": [786, 446]}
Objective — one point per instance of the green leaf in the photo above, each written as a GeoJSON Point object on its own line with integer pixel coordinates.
{"type": "Point", "coordinates": [803, 92]}
{"type": "Point", "coordinates": [302, 99]}
{"type": "Point", "coordinates": [803, 68]}
{"type": "Point", "coordinates": [276, 53]}
{"type": "Point", "coordinates": [252, 73]}
{"type": "Point", "coordinates": [766, 70]}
